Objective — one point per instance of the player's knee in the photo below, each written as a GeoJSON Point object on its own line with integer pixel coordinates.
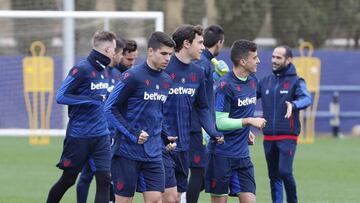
{"type": "Point", "coordinates": [171, 198]}
{"type": "Point", "coordinates": [103, 178]}
{"type": "Point", "coordinates": [68, 178]}
{"type": "Point", "coordinates": [285, 174]}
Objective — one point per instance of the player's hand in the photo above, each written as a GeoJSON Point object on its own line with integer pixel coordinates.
{"type": "Point", "coordinates": [220, 140]}
{"type": "Point", "coordinates": [143, 137]}
{"type": "Point", "coordinates": [289, 107]}
{"type": "Point", "coordinates": [172, 145]}
{"type": "Point", "coordinates": [259, 123]}
{"type": "Point", "coordinates": [251, 138]}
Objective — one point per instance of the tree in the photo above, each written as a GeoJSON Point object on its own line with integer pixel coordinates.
{"type": "Point", "coordinates": [84, 29]}
{"type": "Point", "coordinates": [309, 20]}
{"type": "Point", "coordinates": [241, 19]}
{"type": "Point", "coordinates": [348, 16]}
{"type": "Point", "coordinates": [194, 11]}
{"type": "Point", "coordinates": [30, 30]}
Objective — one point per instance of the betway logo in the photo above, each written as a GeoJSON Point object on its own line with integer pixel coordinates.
{"type": "Point", "coordinates": [155, 96]}
{"type": "Point", "coordinates": [247, 101]}
{"type": "Point", "coordinates": [99, 85]}
{"type": "Point", "coordinates": [182, 90]}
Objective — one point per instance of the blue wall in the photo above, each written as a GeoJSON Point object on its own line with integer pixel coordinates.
{"type": "Point", "coordinates": [337, 68]}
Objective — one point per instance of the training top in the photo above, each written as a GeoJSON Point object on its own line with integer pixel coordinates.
{"type": "Point", "coordinates": [84, 90]}
{"type": "Point", "coordinates": [187, 91]}
{"type": "Point", "coordinates": [113, 74]}
{"type": "Point", "coordinates": [238, 98]}
{"type": "Point", "coordinates": [208, 68]}
{"type": "Point", "coordinates": [283, 85]}
{"type": "Point", "coordinates": [136, 104]}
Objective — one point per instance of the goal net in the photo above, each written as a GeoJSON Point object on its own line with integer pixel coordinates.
{"type": "Point", "coordinates": [37, 48]}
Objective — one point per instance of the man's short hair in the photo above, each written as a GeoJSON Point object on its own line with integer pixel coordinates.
{"type": "Point", "coordinates": [240, 50]}
{"type": "Point", "coordinates": [186, 32]}
{"type": "Point", "coordinates": [159, 39]}
{"type": "Point", "coordinates": [120, 44]}
{"type": "Point", "coordinates": [288, 52]}
{"type": "Point", "coordinates": [130, 46]}
{"type": "Point", "coordinates": [102, 36]}
{"type": "Point", "coordinates": [212, 35]}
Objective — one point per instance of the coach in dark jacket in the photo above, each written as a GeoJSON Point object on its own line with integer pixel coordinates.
{"type": "Point", "coordinates": [283, 95]}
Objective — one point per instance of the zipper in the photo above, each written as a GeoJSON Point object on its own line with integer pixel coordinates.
{"type": "Point", "coordinates": [274, 107]}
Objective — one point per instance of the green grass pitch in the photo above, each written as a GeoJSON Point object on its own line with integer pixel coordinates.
{"type": "Point", "coordinates": [327, 171]}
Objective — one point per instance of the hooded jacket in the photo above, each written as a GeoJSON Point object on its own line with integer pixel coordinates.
{"type": "Point", "coordinates": [283, 85]}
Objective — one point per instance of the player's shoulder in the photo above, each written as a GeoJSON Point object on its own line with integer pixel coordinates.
{"type": "Point", "coordinates": [131, 75]}
{"type": "Point", "coordinates": [224, 82]}
{"type": "Point", "coordinates": [197, 69]}
{"type": "Point", "coordinates": [165, 75]}
{"type": "Point", "coordinates": [81, 68]}
{"type": "Point", "coordinates": [266, 78]}
{"type": "Point", "coordinates": [84, 64]}
{"type": "Point", "coordinates": [253, 78]}
{"type": "Point", "coordinates": [203, 63]}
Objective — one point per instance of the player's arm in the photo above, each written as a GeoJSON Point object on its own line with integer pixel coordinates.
{"type": "Point", "coordinates": [222, 106]}
{"type": "Point", "coordinates": [66, 93]}
{"type": "Point", "coordinates": [258, 89]}
{"type": "Point", "coordinates": [117, 99]}
{"type": "Point", "coordinates": [302, 96]}
{"type": "Point", "coordinates": [204, 114]}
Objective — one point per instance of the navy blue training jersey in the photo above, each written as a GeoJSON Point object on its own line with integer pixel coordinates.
{"type": "Point", "coordinates": [113, 74]}
{"type": "Point", "coordinates": [208, 67]}
{"type": "Point", "coordinates": [188, 90]}
{"type": "Point", "coordinates": [238, 98]}
{"type": "Point", "coordinates": [84, 91]}
{"type": "Point", "coordinates": [136, 104]}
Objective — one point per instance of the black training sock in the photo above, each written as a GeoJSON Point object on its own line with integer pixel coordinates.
{"type": "Point", "coordinates": [57, 191]}
{"type": "Point", "coordinates": [102, 186]}
{"type": "Point", "coordinates": [112, 195]}
{"type": "Point", "coordinates": [196, 185]}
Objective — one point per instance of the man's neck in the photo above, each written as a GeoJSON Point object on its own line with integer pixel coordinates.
{"type": "Point", "coordinates": [151, 65]}
{"type": "Point", "coordinates": [212, 50]}
{"type": "Point", "coordinates": [183, 56]}
{"type": "Point", "coordinates": [240, 72]}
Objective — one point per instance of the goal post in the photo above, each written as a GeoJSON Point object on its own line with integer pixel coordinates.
{"type": "Point", "coordinates": [70, 33]}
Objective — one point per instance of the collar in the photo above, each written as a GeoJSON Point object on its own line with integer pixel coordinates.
{"type": "Point", "coordinates": [98, 60]}
{"type": "Point", "coordinates": [289, 70]}
{"type": "Point", "coordinates": [150, 70]}
{"type": "Point", "coordinates": [208, 54]}
{"type": "Point", "coordinates": [122, 68]}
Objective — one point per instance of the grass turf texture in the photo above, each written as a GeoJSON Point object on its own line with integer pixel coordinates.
{"type": "Point", "coordinates": [326, 171]}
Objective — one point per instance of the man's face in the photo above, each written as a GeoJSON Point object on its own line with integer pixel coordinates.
{"type": "Point", "coordinates": [251, 62]}
{"type": "Point", "coordinates": [160, 58]}
{"type": "Point", "coordinates": [129, 58]}
{"type": "Point", "coordinates": [278, 58]}
{"type": "Point", "coordinates": [196, 47]}
{"type": "Point", "coordinates": [219, 45]}
{"type": "Point", "coordinates": [117, 57]}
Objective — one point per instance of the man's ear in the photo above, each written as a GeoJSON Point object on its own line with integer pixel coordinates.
{"type": "Point", "coordinates": [186, 44]}
{"type": "Point", "coordinates": [243, 62]}
{"type": "Point", "coordinates": [150, 51]}
{"type": "Point", "coordinates": [289, 60]}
